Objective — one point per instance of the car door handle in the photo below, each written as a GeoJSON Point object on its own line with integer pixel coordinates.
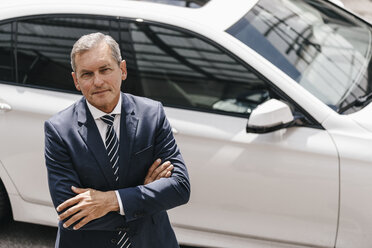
{"type": "Point", "coordinates": [174, 131]}
{"type": "Point", "coordinates": [4, 107]}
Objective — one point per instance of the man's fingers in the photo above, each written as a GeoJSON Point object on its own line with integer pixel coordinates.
{"type": "Point", "coordinates": [72, 200]}
{"type": "Point", "coordinates": [73, 219]}
{"type": "Point", "coordinates": [67, 203]}
{"type": "Point", "coordinates": [89, 206]}
{"type": "Point", "coordinates": [153, 167]}
{"type": "Point", "coordinates": [157, 171]}
{"type": "Point", "coordinates": [149, 177]}
{"type": "Point", "coordinates": [69, 212]}
{"type": "Point", "coordinates": [165, 172]}
{"type": "Point", "coordinates": [79, 190]}
{"type": "Point", "coordinates": [160, 169]}
{"type": "Point", "coordinates": [82, 223]}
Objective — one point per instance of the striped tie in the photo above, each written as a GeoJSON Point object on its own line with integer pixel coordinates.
{"type": "Point", "coordinates": [112, 147]}
{"type": "Point", "coordinates": [112, 144]}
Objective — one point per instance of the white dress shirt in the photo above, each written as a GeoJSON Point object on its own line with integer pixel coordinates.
{"type": "Point", "coordinates": [102, 128]}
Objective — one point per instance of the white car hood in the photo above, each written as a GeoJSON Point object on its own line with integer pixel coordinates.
{"type": "Point", "coordinates": [364, 117]}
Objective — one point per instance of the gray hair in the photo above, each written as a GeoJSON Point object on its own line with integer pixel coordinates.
{"type": "Point", "coordinates": [88, 41]}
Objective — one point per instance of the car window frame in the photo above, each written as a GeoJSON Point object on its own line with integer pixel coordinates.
{"type": "Point", "coordinates": [313, 123]}
{"type": "Point", "coordinates": [33, 86]}
{"type": "Point", "coordinates": [273, 87]}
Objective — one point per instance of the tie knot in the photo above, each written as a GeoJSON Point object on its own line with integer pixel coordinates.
{"type": "Point", "coordinates": [108, 119]}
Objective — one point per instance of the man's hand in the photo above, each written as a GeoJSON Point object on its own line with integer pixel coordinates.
{"type": "Point", "coordinates": [87, 205]}
{"type": "Point", "coordinates": [91, 204]}
{"type": "Point", "coordinates": [156, 172]}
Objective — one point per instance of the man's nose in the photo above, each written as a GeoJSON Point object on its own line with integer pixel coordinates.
{"type": "Point", "coordinates": [98, 80]}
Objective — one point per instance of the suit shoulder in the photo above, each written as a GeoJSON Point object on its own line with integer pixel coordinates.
{"type": "Point", "coordinates": [143, 102]}
{"type": "Point", "coordinates": [66, 115]}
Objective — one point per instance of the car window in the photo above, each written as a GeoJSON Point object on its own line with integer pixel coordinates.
{"type": "Point", "coordinates": [181, 69]}
{"type": "Point", "coordinates": [37, 50]}
{"type": "Point", "coordinates": [7, 72]}
{"type": "Point", "coordinates": [325, 49]}
{"type": "Point", "coordinates": [167, 64]}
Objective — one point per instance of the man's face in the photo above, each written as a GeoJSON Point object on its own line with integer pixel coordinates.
{"type": "Point", "coordinates": [98, 76]}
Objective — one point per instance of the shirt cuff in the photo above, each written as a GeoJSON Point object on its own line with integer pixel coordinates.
{"type": "Point", "coordinates": [120, 203]}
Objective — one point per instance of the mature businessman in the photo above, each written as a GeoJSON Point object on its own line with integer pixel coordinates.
{"type": "Point", "coordinates": [100, 154]}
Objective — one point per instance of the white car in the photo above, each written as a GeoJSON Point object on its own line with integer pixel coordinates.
{"type": "Point", "coordinates": [269, 101]}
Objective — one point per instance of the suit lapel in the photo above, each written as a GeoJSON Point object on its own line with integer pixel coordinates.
{"type": "Point", "coordinates": [128, 128]}
{"type": "Point", "coordinates": [89, 132]}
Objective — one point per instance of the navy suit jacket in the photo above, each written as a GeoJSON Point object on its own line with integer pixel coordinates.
{"type": "Point", "coordinates": [76, 155]}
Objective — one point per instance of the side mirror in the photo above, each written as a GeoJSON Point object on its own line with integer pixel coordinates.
{"type": "Point", "coordinates": [270, 116]}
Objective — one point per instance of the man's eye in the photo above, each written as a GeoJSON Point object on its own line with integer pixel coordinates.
{"type": "Point", "coordinates": [105, 70]}
{"type": "Point", "coordinates": [86, 74]}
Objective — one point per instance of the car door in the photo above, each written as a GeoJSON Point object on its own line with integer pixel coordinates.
{"type": "Point", "coordinates": [281, 187]}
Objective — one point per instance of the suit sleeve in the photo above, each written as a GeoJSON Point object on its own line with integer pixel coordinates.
{"type": "Point", "coordinates": [165, 193]}
{"type": "Point", "coordinates": [62, 175]}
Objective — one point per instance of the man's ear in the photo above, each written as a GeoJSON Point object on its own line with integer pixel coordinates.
{"type": "Point", "coordinates": [77, 86]}
{"type": "Point", "coordinates": [123, 68]}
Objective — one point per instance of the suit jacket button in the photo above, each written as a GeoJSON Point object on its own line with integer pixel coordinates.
{"type": "Point", "coordinates": [113, 241]}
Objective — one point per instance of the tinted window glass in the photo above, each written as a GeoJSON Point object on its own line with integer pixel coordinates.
{"type": "Point", "coordinates": [326, 50]}
{"type": "Point", "coordinates": [42, 46]}
{"type": "Point", "coordinates": [174, 67]}
{"type": "Point", "coordinates": [7, 69]}
{"type": "Point", "coordinates": [182, 70]}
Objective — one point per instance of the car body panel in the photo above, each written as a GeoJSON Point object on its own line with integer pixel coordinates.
{"type": "Point", "coordinates": [363, 117]}
{"type": "Point", "coordinates": [353, 142]}
{"type": "Point", "coordinates": [289, 201]}
{"type": "Point", "coordinates": [26, 119]}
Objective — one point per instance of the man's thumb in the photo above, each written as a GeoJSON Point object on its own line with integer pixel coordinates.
{"type": "Point", "coordinates": [78, 190]}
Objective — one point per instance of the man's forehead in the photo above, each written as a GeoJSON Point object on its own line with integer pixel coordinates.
{"type": "Point", "coordinates": [96, 64]}
{"type": "Point", "coordinates": [96, 57]}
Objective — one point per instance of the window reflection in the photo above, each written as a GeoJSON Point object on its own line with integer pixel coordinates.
{"type": "Point", "coordinates": [314, 43]}
{"type": "Point", "coordinates": [180, 69]}
{"type": "Point", "coordinates": [169, 65]}
{"type": "Point", "coordinates": [44, 46]}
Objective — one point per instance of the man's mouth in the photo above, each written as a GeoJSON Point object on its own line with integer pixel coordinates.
{"type": "Point", "coordinates": [99, 92]}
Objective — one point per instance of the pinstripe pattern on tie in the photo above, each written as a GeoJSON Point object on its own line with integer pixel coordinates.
{"type": "Point", "coordinates": [112, 144]}
{"type": "Point", "coordinates": [112, 147]}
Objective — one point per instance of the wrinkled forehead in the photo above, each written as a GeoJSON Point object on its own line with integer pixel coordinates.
{"type": "Point", "coordinates": [95, 57]}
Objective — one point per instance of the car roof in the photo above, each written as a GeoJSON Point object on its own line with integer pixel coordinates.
{"type": "Point", "coordinates": [219, 14]}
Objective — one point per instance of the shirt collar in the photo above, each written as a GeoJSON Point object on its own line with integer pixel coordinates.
{"type": "Point", "coordinates": [96, 113]}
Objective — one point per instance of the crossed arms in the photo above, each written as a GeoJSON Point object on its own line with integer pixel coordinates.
{"type": "Point", "coordinates": [90, 204]}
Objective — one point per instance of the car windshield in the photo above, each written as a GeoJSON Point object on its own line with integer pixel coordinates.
{"type": "Point", "coordinates": [323, 48]}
